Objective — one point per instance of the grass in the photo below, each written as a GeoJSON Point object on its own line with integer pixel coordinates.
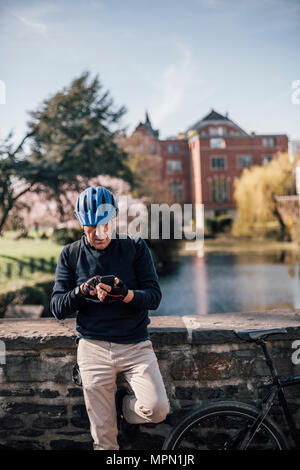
{"type": "Point", "coordinates": [24, 250]}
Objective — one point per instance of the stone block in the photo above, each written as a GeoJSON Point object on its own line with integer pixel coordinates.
{"type": "Point", "coordinates": [50, 423]}
{"type": "Point", "coordinates": [24, 311]}
{"type": "Point", "coordinates": [17, 392]}
{"type": "Point", "coordinates": [10, 422]}
{"type": "Point", "coordinates": [65, 444]}
{"type": "Point", "coordinates": [30, 433]}
{"type": "Point", "coordinates": [82, 423]}
{"type": "Point", "coordinates": [75, 392]}
{"type": "Point", "coordinates": [168, 336]}
{"type": "Point", "coordinates": [79, 417]}
{"type": "Point", "coordinates": [213, 336]}
{"type": "Point", "coordinates": [202, 366]}
{"type": "Point", "coordinates": [34, 368]}
{"type": "Point", "coordinates": [24, 444]}
{"type": "Point", "coordinates": [182, 367]}
{"type": "Point", "coordinates": [46, 393]}
{"type": "Point", "coordinates": [34, 408]}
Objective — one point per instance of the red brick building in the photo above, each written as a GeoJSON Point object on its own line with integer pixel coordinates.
{"type": "Point", "coordinates": [200, 165]}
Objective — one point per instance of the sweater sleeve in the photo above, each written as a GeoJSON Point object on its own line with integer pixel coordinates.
{"type": "Point", "coordinates": [149, 295]}
{"type": "Point", "coordinates": [63, 301]}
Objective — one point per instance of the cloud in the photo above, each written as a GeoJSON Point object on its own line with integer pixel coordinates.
{"type": "Point", "coordinates": [172, 86]}
{"type": "Point", "coordinates": [39, 27]}
{"type": "Point", "coordinates": [178, 85]}
{"type": "Point", "coordinates": [34, 14]}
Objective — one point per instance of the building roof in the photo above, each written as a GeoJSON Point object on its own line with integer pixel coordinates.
{"type": "Point", "coordinates": [147, 125]}
{"type": "Point", "coordinates": [214, 116]}
{"type": "Point", "coordinates": [217, 118]}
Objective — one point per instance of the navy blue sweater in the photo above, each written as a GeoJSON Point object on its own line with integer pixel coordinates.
{"type": "Point", "coordinates": [118, 322]}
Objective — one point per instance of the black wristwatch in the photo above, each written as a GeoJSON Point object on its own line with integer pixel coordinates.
{"type": "Point", "coordinates": [78, 292]}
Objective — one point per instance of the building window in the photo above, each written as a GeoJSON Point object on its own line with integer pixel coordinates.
{"type": "Point", "coordinates": [142, 147]}
{"type": "Point", "coordinates": [244, 161]}
{"type": "Point", "coordinates": [267, 159]}
{"type": "Point", "coordinates": [170, 148]}
{"type": "Point", "coordinates": [176, 148]}
{"type": "Point", "coordinates": [176, 190]}
{"type": "Point", "coordinates": [268, 142]}
{"type": "Point", "coordinates": [217, 143]}
{"type": "Point", "coordinates": [216, 130]}
{"type": "Point", "coordinates": [219, 189]}
{"type": "Point", "coordinates": [152, 149]}
{"type": "Point", "coordinates": [173, 166]}
{"type": "Point", "coordinates": [218, 163]}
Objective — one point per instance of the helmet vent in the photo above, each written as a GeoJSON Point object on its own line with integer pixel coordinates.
{"type": "Point", "coordinates": [85, 204]}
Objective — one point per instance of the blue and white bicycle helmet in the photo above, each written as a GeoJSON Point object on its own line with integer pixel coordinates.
{"type": "Point", "coordinates": [95, 206]}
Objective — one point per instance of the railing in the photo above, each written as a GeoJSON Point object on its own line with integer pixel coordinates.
{"type": "Point", "coordinates": [18, 269]}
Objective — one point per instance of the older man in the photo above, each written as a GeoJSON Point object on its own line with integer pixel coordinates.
{"type": "Point", "coordinates": [111, 319]}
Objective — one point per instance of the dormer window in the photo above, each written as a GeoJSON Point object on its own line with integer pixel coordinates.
{"type": "Point", "coordinates": [268, 142]}
{"type": "Point", "coordinates": [219, 130]}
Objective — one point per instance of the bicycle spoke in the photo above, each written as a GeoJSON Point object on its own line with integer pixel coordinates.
{"type": "Point", "coordinates": [224, 431]}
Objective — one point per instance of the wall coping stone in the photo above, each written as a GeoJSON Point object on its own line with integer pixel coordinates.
{"type": "Point", "coordinates": [45, 333]}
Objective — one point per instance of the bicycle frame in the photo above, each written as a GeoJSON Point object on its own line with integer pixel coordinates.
{"type": "Point", "coordinates": [290, 381]}
{"type": "Point", "coordinates": [276, 389]}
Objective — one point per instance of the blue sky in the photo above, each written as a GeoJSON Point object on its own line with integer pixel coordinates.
{"type": "Point", "coordinates": [175, 58]}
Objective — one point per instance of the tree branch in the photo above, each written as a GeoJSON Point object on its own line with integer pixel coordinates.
{"type": "Point", "coordinates": [21, 144]}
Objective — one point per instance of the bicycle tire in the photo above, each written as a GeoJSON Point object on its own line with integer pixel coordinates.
{"type": "Point", "coordinates": [185, 436]}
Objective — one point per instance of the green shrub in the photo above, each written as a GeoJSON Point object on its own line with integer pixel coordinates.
{"type": "Point", "coordinates": [39, 294]}
{"type": "Point", "coordinates": [211, 226]}
{"type": "Point", "coordinates": [222, 223]}
{"type": "Point", "coordinates": [63, 236]}
{"type": "Point", "coordinates": [5, 299]}
{"type": "Point", "coordinates": [44, 236]}
{"type": "Point", "coordinates": [164, 253]}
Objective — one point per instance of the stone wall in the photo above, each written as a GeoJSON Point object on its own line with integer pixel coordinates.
{"type": "Point", "coordinates": [201, 359]}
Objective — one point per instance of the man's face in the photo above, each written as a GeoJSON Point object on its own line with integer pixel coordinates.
{"type": "Point", "coordinates": [99, 236]}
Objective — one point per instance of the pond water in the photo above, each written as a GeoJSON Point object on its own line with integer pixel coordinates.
{"type": "Point", "coordinates": [230, 282]}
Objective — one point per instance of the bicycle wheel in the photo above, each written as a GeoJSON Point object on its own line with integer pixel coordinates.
{"type": "Point", "coordinates": [222, 426]}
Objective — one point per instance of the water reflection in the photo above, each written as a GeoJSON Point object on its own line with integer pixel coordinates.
{"type": "Point", "coordinates": [230, 282]}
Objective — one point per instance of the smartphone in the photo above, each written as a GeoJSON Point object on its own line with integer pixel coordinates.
{"type": "Point", "coordinates": [109, 280]}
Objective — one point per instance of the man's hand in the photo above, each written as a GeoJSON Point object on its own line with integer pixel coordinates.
{"type": "Point", "coordinates": [108, 294]}
{"type": "Point", "coordinates": [88, 288]}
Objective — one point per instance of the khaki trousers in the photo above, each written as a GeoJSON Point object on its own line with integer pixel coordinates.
{"type": "Point", "coordinates": [99, 363]}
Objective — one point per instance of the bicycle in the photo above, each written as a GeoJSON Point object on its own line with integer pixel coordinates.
{"type": "Point", "coordinates": [233, 425]}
